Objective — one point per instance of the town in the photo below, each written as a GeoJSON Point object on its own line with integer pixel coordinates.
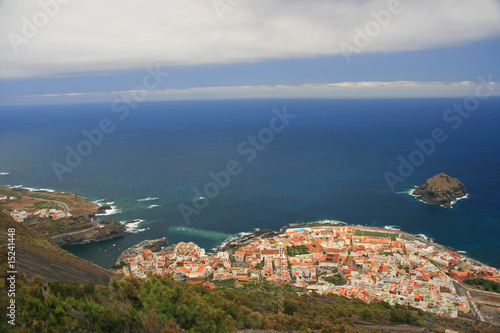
{"type": "Point", "coordinates": [22, 214]}
{"type": "Point", "coordinates": [353, 261]}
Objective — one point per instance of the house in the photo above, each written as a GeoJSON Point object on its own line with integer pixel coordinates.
{"type": "Point", "coordinates": [269, 253]}
{"type": "Point", "coordinates": [239, 256]}
{"type": "Point", "coordinates": [185, 249]}
{"type": "Point", "coordinates": [492, 278]}
{"type": "Point", "coordinates": [201, 271]}
{"type": "Point", "coordinates": [462, 275]}
{"type": "Point", "coordinates": [329, 260]}
{"type": "Point", "coordinates": [314, 248]}
{"type": "Point", "coordinates": [183, 270]}
{"type": "Point", "coordinates": [147, 254]}
{"type": "Point", "coordinates": [209, 285]}
{"type": "Point", "coordinates": [242, 278]}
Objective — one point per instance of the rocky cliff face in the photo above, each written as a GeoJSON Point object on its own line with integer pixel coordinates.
{"type": "Point", "coordinates": [441, 190]}
{"type": "Point", "coordinates": [37, 254]}
{"type": "Point", "coordinates": [111, 229]}
{"type": "Point", "coordinates": [157, 245]}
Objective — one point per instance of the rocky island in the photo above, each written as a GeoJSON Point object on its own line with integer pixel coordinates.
{"type": "Point", "coordinates": [440, 190]}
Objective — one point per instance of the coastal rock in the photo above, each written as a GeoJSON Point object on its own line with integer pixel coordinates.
{"type": "Point", "coordinates": [156, 246]}
{"type": "Point", "coordinates": [103, 209]}
{"type": "Point", "coordinates": [111, 229]}
{"type": "Point", "coordinates": [440, 190]}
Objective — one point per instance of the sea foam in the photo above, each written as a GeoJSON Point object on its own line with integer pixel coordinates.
{"type": "Point", "coordinates": [31, 189]}
{"type": "Point", "coordinates": [133, 225]}
{"type": "Point", "coordinates": [148, 199]}
{"type": "Point", "coordinates": [114, 210]}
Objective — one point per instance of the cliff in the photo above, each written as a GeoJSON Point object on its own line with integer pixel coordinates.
{"type": "Point", "coordinates": [110, 229]}
{"type": "Point", "coordinates": [77, 227]}
{"type": "Point", "coordinates": [37, 254]}
{"type": "Point", "coordinates": [440, 190]}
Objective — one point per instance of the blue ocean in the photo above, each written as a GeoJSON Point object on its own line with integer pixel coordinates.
{"type": "Point", "coordinates": [234, 166]}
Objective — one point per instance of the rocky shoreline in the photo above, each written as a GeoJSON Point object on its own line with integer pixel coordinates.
{"type": "Point", "coordinates": [243, 237]}
{"type": "Point", "coordinates": [102, 230]}
{"type": "Point", "coordinates": [235, 242]}
{"type": "Point", "coordinates": [108, 229]}
{"type": "Point", "coordinates": [155, 245]}
{"type": "Point", "coordinates": [82, 221]}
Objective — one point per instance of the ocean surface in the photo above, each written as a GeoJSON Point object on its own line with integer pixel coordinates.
{"type": "Point", "coordinates": [328, 162]}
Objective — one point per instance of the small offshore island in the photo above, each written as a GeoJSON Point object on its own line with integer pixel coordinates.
{"type": "Point", "coordinates": [330, 257]}
{"type": "Point", "coordinates": [440, 190]}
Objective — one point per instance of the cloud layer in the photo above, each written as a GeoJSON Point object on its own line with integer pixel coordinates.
{"type": "Point", "coordinates": [366, 89]}
{"type": "Point", "coordinates": [100, 36]}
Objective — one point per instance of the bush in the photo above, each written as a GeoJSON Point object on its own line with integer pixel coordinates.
{"type": "Point", "coordinates": [487, 285]}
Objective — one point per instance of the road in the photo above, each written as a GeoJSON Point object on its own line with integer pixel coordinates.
{"type": "Point", "coordinates": [62, 204]}
{"type": "Point", "coordinates": [388, 327]}
{"type": "Point", "coordinates": [60, 237]}
{"type": "Point", "coordinates": [464, 291]}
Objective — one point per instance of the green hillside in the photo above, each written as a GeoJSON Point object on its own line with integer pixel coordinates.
{"type": "Point", "coordinates": [36, 253]}
{"type": "Point", "coordinates": [85, 302]}
{"type": "Point", "coordinates": [165, 305]}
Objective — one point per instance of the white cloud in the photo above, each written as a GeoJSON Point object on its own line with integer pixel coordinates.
{"type": "Point", "coordinates": [367, 89]}
{"type": "Point", "coordinates": [93, 35]}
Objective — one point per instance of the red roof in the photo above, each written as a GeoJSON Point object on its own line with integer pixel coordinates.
{"type": "Point", "coordinates": [199, 270]}
{"type": "Point", "coordinates": [269, 252]}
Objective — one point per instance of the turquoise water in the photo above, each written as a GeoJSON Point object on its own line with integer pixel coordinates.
{"type": "Point", "coordinates": [327, 163]}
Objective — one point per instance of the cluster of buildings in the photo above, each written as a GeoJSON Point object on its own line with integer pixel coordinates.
{"type": "Point", "coordinates": [187, 260]}
{"type": "Point", "coordinates": [372, 265]}
{"type": "Point", "coordinates": [20, 216]}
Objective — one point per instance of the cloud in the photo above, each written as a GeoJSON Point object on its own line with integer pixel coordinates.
{"type": "Point", "coordinates": [100, 36]}
{"type": "Point", "coordinates": [367, 89]}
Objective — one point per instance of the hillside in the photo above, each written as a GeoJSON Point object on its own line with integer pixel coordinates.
{"type": "Point", "coordinates": [77, 205]}
{"type": "Point", "coordinates": [158, 304]}
{"type": "Point", "coordinates": [72, 225]}
{"type": "Point", "coordinates": [36, 253]}
{"type": "Point", "coordinates": [165, 305]}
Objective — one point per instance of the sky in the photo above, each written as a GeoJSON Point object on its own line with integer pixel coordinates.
{"type": "Point", "coordinates": [85, 51]}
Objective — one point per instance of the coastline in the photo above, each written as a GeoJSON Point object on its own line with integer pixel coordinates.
{"type": "Point", "coordinates": [134, 225]}
{"type": "Point", "coordinates": [452, 203]}
{"type": "Point", "coordinates": [248, 237]}
{"type": "Point", "coordinates": [78, 217]}
{"type": "Point", "coordinates": [243, 238]}
{"type": "Point", "coordinates": [326, 257]}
